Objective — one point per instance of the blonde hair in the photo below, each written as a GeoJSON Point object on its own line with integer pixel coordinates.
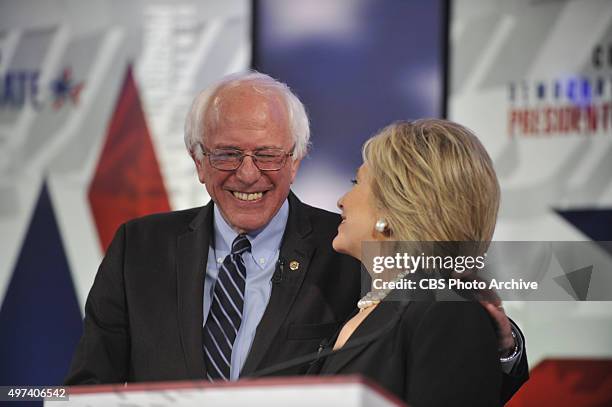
{"type": "Point", "coordinates": [432, 180]}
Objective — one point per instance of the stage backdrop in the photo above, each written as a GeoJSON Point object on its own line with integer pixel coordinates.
{"type": "Point", "coordinates": [534, 80]}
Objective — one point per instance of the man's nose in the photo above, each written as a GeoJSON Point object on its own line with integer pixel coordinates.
{"type": "Point", "coordinates": [248, 172]}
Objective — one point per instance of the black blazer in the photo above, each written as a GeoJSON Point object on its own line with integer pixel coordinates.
{"type": "Point", "coordinates": [144, 313]}
{"type": "Point", "coordinates": [426, 353]}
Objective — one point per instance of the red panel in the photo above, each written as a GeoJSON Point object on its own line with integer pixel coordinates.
{"type": "Point", "coordinates": [567, 382]}
{"type": "Point", "coordinates": [127, 182]}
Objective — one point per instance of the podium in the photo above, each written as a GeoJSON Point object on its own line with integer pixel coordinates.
{"type": "Point", "coordinates": [314, 391]}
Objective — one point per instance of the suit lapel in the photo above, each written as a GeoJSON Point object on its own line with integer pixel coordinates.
{"type": "Point", "coordinates": [296, 249]}
{"type": "Point", "coordinates": [192, 255]}
{"type": "Point", "coordinates": [374, 326]}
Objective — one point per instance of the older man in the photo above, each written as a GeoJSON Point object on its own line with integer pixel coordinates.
{"type": "Point", "coordinates": [246, 282]}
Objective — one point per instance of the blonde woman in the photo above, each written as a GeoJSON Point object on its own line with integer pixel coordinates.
{"type": "Point", "coordinates": [427, 180]}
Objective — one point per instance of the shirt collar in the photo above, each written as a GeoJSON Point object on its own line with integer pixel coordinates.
{"type": "Point", "coordinates": [265, 242]}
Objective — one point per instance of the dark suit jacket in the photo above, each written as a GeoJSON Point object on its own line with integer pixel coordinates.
{"type": "Point", "coordinates": [426, 353]}
{"type": "Point", "coordinates": [144, 313]}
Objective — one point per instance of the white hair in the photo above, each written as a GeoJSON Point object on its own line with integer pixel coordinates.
{"type": "Point", "coordinates": [195, 129]}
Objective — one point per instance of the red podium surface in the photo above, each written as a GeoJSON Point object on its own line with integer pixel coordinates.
{"type": "Point", "coordinates": [295, 392]}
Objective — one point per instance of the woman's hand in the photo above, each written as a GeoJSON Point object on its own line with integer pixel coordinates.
{"type": "Point", "coordinates": [505, 339]}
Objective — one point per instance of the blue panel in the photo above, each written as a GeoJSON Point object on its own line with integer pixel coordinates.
{"type": "Point", "coordinates": [595, 223]}
{"type": "Point", "coordinates": [356, 65]}
{"type": "Point", "coordinates": [40, 321]}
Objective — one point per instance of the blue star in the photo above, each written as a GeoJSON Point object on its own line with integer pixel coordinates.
{"type": "Point", "coordinates": [63, 89]}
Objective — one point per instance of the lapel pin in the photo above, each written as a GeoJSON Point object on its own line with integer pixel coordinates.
{"type": "Point", "coordinates": [294, 265]}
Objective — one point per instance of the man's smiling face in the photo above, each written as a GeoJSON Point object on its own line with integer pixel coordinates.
{"type": "Point", "coordinates": [247, 119]}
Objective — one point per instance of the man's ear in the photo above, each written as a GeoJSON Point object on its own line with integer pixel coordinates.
{"type": "Point", "coordinates": [199, 168]}
{"type": "Point", "coordinates": [295, 166]}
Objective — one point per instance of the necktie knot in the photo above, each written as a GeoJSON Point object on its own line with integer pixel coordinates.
{"type": "Point", "coordinates": [241, 244]}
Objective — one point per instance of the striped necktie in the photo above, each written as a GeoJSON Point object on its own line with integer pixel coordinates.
{"type": "Point", "coordinates": [225, 315]}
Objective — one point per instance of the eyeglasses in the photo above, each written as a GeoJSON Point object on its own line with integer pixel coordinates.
{"type": "Point", "coordinates": [230, 159]}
